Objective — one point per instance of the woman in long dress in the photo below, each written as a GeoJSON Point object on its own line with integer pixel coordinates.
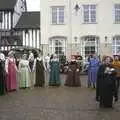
{"type": "Point", "coordinates": [73, 77]}
{"type": "Point", "coordinates": [54, 79]}
{"type": "Point", "coordinates": [39, 68]}
{"type": "Point", "coordinates": [11, 70]}
{"type": "Point", "coordinates": [24, 70]}
{"type": "Point", "coordinates": [92, 71]}
{"type": "Point", "coordinates": [2, 74]}
{"type": "Point", "coordinates": [106, 88]}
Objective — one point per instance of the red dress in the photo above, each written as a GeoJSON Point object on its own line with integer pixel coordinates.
{"type": "Point", "coordinates": [11, 77]}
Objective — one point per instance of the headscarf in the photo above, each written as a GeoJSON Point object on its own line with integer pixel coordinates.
{"type": "Point", "coordinates": [10, 53]}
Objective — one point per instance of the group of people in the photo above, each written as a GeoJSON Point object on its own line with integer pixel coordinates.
{"type": "Point", "coordinates": [104, 75]}
{"type": "Point", "coordinates": [31, 71]}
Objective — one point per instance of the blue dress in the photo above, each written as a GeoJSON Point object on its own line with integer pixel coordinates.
{"type": "Point", "coordinates": [92, 71]}
{"type": "Point", "coordinates": [54, 73]}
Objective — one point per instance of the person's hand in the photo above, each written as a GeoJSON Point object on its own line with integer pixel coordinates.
{"type": "Point", "coordinates": [77, 70]}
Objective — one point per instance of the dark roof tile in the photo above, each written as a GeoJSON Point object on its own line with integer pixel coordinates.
{"type": "Point", "coordinates": [29, 20]}
{"type": "Point", "coordinates": [7, 4]}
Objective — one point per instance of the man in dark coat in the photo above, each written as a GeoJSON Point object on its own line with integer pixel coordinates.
{"type": "Point", "coordinates": [106, 84]}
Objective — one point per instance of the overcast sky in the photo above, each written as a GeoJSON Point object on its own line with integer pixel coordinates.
{"type": "Point", "coordinates": [33, 5]}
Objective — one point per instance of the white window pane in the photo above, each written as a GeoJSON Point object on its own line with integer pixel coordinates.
{"type": "Point", "coordinates": [58, 47]}
{"type": "Point", "coordinates": [117, 13]}
{"type": "Point", "coordinates": [93, 6]}
{"type": "Point", "coordinates": [61, 15]}
{"type": "Point", "coordinates": [57, 15]}
{"type": "Point", "coordinates": [116, 45]}
{"type": "Point", "coordinates": [54, 15]}
{"type": "Point", "coordinates": [118, 42]}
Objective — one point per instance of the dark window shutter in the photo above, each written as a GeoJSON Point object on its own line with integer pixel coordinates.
{"type": "Point", "coordinates": [0, 16]}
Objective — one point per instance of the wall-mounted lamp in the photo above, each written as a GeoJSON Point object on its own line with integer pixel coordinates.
{"type": "Point", "coordinates": [75, 38]}
{"type": "Point", "coordinates": [76, 7]}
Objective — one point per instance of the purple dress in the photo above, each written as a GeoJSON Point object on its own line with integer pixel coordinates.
{"type": "Point", "coordinates": [92, 72]}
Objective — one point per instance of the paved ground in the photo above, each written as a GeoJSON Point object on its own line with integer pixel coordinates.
{"type": "Point", "coordinates": [55, 103]}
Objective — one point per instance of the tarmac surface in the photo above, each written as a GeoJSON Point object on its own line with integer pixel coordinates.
{"type": "Point", "coordinates": [55, 103]}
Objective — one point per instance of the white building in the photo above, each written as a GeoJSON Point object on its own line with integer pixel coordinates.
{"type": "Point", "coordinates": [80, 26]}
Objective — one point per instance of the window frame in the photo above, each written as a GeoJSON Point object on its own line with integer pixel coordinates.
{"type": "Point", "coordinates": [115, 44]}
{"type": "Point", "coordinates": [53, 46]}
{"type": "Point", "coordinates": [116, 10]}
{"type": "Point", "coordinates": [58, 20]}
{"type": "Point", "coordinates": [90, 11]}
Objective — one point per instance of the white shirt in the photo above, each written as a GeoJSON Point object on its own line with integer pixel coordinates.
{"type": "Point", "coordinates": [47, 61]}
{"type": "Point", "coordinates": [2, 56]}
{"type": "Point", "coordinates": [31, 57]}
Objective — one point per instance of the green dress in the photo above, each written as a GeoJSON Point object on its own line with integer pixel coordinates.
{"type": "Point", "coordinates": [54, 73]}
{"type": "Point", "coordinates": [24, 81]}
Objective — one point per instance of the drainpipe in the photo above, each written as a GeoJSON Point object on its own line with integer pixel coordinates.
{"type": "Point", "coordinates": [70, 24]}
{"type": "Point", "coordinates": [0, 29]}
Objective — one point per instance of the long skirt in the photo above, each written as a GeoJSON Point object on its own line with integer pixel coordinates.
{"type": "Point", "coordinates": [39, 75]}
{"type": "Point", "coordinates": [73, 79]}
{"type": "Point", "coordinates": [54, 79]}
{"type": "Point", "coordinates": [2, 79]}
{"type": "Point", "coordinates": [25, 78]}
{"type": "Point", "coordinates": [11, 77]}
{"type": "Point", "coordinates": [106, 98]}
{"type": "Point", "coordinates": [92, 76]}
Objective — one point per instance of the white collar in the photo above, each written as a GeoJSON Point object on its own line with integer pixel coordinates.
{"type": "Point", "coordinates": [39, 58]}
{"type": "Point", "coordinates": [55, 59]}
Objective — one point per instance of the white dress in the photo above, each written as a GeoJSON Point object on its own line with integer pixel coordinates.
{"type": "Point", "coordinates": [24, 69]}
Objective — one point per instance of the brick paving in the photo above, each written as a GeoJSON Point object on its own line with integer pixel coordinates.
{"type": "Point", "coordinates": [55, 103]}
